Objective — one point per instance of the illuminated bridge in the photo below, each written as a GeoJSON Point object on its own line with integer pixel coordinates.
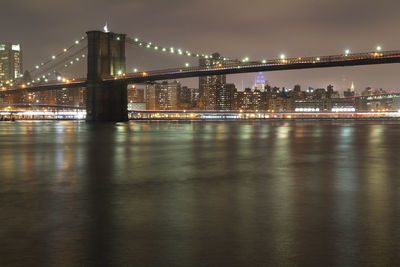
{"type": "Point", "coordinates": [107, 79]}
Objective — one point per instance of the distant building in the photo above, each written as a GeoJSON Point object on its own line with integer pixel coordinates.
{"type": "Point", "coordinates": [212, 91]}
{"type": "Point", "coordinates": [350, 92]}
{"type": "Point", "coordinates": [163, 96]}
{"type": "Point", "coordinates": [259, 83]}
{"type": "Point", "coordinates": [64, 97]}
{"type": "Point", "coordinates": [10, 62]}
{"type": "Point", "coordinates": [152, 92]}
{"type": "Point", "coordinates": [225, 97]}
{"type": "Point", "coordinates": [367, 91]}
{"type": "Point", "coordinates": [135, 94]}
{"type": "Point", "coordinates": [168, 98]}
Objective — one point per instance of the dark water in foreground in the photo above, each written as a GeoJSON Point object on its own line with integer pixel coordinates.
{"type": "Point", "coordinates": [200, 194]}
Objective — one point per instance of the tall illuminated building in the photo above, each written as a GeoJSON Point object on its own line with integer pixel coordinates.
{"type": "Point", "coordinates": [212, 91]}
{"type": "Point", "coordinates": [10, 61]}
{"type": "Point", "coordinates": [259, 83]}
{"type": "Point", "coordinates": [168, 98]}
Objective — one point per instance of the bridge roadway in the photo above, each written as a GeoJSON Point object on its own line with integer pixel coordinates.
{"type": "Point", "coordinates": [369, 58]}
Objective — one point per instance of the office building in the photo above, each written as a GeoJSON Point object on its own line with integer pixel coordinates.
{"type": "Point", "coordinates": [10, 62]}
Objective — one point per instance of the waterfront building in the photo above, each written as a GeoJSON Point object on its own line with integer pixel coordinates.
{"type": "Point", "coordinates": [135, 94]}
{"type": "Point", "coordinates": [152, 92]}
{"type": "Point", "coordinates": [168, 97]}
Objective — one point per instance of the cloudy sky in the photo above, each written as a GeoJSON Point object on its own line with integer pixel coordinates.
{"type": "Point", "coordinates": [254, 28]}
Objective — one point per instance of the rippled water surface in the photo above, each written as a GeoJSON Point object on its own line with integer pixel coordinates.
{"type": "Point", "coordinates": [200, 194]}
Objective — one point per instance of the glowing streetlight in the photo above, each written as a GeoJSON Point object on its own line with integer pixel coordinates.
{"type": "Point", "coordinates": [378, 48]}
{"type": "Point", "coordinates": [282, 56]}
{"type": "Point", "coordinates": [347, 51]}
{"type": "Point", "coordinates": [187, 65]}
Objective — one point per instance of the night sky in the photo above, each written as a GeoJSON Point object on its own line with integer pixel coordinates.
{"type": "Point", "coordinates": [257, 29]}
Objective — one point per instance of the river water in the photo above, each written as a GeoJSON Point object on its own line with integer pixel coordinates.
{"type": "Point", "coordinates": [200, 193]}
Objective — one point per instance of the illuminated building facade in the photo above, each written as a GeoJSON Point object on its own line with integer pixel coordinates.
{"type": "Point", "coordinates": [212, 91]}
{"type": "Point", "coordinates": [10, 61]}
{"type": "Point", "coordinates": [168, 98]}
{"type": "Point", "coordinates": [163, 96]}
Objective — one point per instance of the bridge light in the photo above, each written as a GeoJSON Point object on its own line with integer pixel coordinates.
{"type": "Point", "coordinates": [53, 57]}
{"type": "Point", "coordinates": [36, 66]}
{"type": "Point", "coordinates": [65, 49]}
{"type": "Point", "coordinates": [264, 61]}
{"type": "Point", "coordinates": [378, 48]}
{"type": "Point", "coordinates": [156, 48]}
{"type": "Point", "coordinates": [347, 51]}
{"type": "Point", "coordinates": [164, 49]}
{"type": "Point", "coordinates": [187, 65]}
{"type": "Point", "coordinates": [318, 59]}
{"type": "Point", "coordinates": [76, 42]}
{"type": "Point", "coordinates": [118, 38]}
{"type": "Point", "coordinates": [136, 40]}
{"type": "Point", "coordinates": [135, 70]}
{"type": "Point", "coordinates": [282, 56]}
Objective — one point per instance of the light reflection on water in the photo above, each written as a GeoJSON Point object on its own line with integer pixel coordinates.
{"type": "Point", "coordinates": [207, 194]}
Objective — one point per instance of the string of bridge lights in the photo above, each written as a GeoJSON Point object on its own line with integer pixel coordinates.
{"type": "Point", "coordinates": [52, 59]}
{"type": "Point", "coordinates": [75, 60]}
{"type": "Point", "coordinates": [282, 56]}
{"type": "Point", "coordinates": [170, 50]}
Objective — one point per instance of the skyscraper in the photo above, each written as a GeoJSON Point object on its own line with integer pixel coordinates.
{"type": "Point", "coordinates": [10, 61]}
{"type": "Point", "coordinates": [259, 83]}
{"type": "Point", "coordinates": [212, 92]}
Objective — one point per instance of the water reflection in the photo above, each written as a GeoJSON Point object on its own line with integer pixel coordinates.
{"type": "Point", "coordinates": [207, 194]}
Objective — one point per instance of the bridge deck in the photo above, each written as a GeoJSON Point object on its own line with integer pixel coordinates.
{"type": "Point", "coordinates": [369, 58]}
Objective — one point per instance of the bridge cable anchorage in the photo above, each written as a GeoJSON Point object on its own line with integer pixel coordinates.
{"type": "Point", "coordinates": [166, 50]}
{"type": "Point", "coordinates": [41, 68]}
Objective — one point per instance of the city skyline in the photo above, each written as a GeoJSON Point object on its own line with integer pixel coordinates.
{"type": "Point", "coordinates": [256, 30]}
